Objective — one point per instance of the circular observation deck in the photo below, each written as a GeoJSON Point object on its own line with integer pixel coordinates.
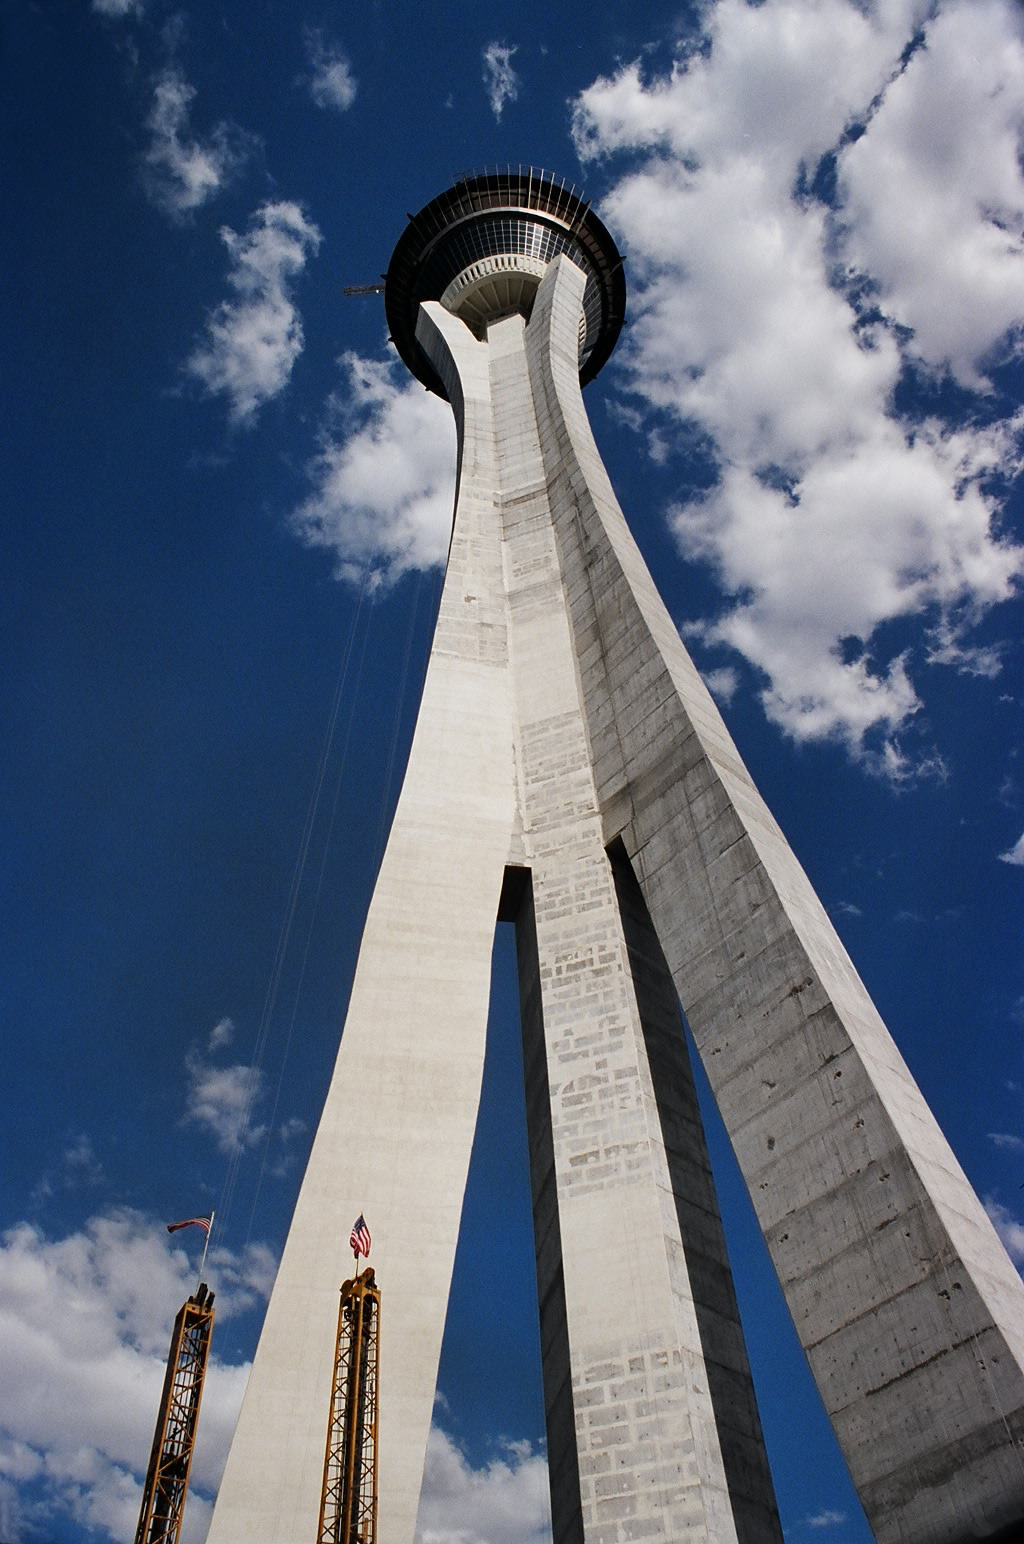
{"type": "Point", "coordinates": [481, 249]}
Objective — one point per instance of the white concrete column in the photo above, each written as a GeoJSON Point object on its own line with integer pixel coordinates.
{"type": "Point", "coordinates": [395, 1136]}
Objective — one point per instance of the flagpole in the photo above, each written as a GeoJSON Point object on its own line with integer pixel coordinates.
{"type": "Point", "coordinates": [206, 1245]}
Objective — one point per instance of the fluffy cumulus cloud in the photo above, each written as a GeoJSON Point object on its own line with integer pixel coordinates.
{"type": "Point", "coordinates": [331, 82]}
{"type": "Point", "coordinates": [85, 1324]}
{"type": "Point", "coordinates": [254, 338]}
{"type": "Point", "coordinates": [504, 1502]}
{"type": "Point", "coordinates": [804, 243]}
{"type": "Point", "coordinates": [947, 263]}
{"type": "Point", "coordinates": [182, 172]}
{"type": "Point", "coordinates": [383, 481]}
{"type": "Point", "coordinates": [500, 78]}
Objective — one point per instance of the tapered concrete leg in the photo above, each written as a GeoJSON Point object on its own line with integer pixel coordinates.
{"type": "Point", "coordinates": [565, 736]}
{"type": "Point", "coordinates": [911, 1313]}
{"type": "Point", "coordinates": [397, 1128]}
{"type": "Point", "coordinates": [652, 1427]}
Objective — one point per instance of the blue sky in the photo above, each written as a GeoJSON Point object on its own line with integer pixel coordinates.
{"type": "Point", "coordinates": [226, 510]}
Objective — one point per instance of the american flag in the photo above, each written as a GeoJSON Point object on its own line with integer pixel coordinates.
{"type": "Point", "coordinates": [191, 1222]}
{"type": "Point", "coordinates": [359, 1238]}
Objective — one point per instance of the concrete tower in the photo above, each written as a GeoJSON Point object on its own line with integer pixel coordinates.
{"type": "Point", "coordinates": [570, 771]}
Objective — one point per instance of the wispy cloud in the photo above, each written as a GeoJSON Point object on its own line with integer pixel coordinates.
{"type": "Point", "coordinates": [828, 1517]}
{"type": "Point", "coordinates": [331, 81]}
{"type": "Point", "coordinates": [81, 1165]}
{"type": "Point", "coordinates": [83, 1341]}
{"type": "Point", "coordinates": [383, 481]}
{"type": "Point", "coordinates": [253, 340]}
{"type": "Point", "coordinates": [1009, 1228]}
{"type": "Point", "coordinates": [505, 1501]}
{"type": "Point", "coordinates": [118, 8]}
{"type": "Point", "coordinates": [182, 172]}
{"type": "Point", "coordinates": [1014, 854]}
{"type": "Point", "coordinates": [222, 1034]}
{"type": "Point", "coordinates": [500, 78]}
{"type": "Point", "coordinates": [77, 1168]}
{"type": "Point", "coordinates": [222, 1101]}
{"type": "Point", "coordinates": [777, 304]}
{"type": "Point", "coordinates": [723, 683]}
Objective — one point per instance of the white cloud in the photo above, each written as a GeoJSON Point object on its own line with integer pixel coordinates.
{"type": "Point", "coordinates": [183, 173]}
{"type": "Point", "coordinates": [222, 1034]}
{"type": "Point", "coordinates": [1014, 854]}
{"type": "Point", "coordinates": [827, 1518]}
{"type": "Point", "coordinates": [85, 1323]}
{"type": "Point", "coordinates": [723, 683]}
{"type": "Point", "coordinates": [945, 647]}
{"type": "Point", "coordinates": [1007, 1141]}
{"type": "Point", "coordinates": [933, 197]}
{"type": "Point", "coordinates": [504, 1502]}
{"type": "Point", "coordinates": [78, 1168]}
{"type": "Point", "coordinates": [331, 83]}
{"type": "Point", "coordinates": [245, 1279]}
{"type": "Point", "coordinates": [222, 1100]}
{"type": "Point", "coordinates": [500, 78]}
{"type": "Point", "coordinates": [768, 321]}
{"type": "Point", "coordinates": [118, 8]}
{"type": "Point", "coordinates": [253, 340]}
{"type": "Point", "coordinates": [1010, 1230]}
{"type": "Point", "coordinates": [384, 478]}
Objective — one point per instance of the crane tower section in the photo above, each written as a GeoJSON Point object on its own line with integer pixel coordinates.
{"type": "Point", "coordinates": [348, 1506]}
{"type": "Point", "coordinates": [163, 1495]}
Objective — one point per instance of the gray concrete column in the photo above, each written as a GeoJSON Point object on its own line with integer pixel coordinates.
{"type": "Point", "coordinates": [653, 1431]}
{"type": "Point", "coordinates": [565, 736]}
{"type": "Point", "coordinates": [910, 1312]}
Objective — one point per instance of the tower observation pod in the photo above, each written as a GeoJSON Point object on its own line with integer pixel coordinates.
{"type": "Point", "coordinates": [570, 773]}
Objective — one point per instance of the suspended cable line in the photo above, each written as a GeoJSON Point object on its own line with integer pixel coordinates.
{"type": "Point", "coordinates": [291, 905]}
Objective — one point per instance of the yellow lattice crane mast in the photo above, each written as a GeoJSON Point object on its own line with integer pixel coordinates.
{"type": "Point", "coordinates": [163, 1496]}
{"type": "Point", "coordinates": [348, 1505]}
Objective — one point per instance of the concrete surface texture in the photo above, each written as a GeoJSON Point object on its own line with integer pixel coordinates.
{"type": "Point", "coordinates": [570, 767]}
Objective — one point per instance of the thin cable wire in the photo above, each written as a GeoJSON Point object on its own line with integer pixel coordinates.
{"type": "Point", "coordinates": [325, 847]}
{"type": "Point", "coordinates": [299, 870]}
{"type": "Point", "coordinates": [284, 936]}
